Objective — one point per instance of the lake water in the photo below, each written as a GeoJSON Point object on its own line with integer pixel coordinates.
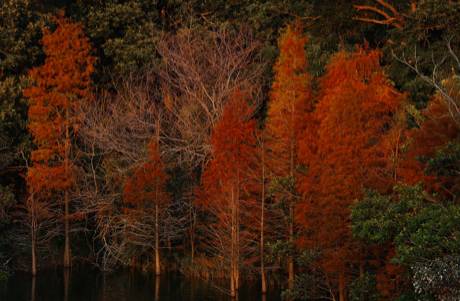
{"type": "Point", "coordinates": [85, 284]}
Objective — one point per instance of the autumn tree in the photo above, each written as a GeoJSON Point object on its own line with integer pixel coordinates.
{"type": "Point", "coordinates": [356, 107]}
{"type": "Point", "coordinates": [58, 89]}
{"type": "Point", "coordinates": [289, 98]}
{"type": "Point", "coordinates": [201, 69]}
{"type": "Point", "coordinates": [120, 135]}
{"type": "Point", "coordinates": [225, 181]}
{"type": "Point", "coordinates": [146, 190]}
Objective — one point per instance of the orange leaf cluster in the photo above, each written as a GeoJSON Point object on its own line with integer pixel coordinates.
{"type": "Point", "coordinates": [356, 108]}
{"type": "Point", "coordinates": [58, 88]}
{"type": "Point", "coordinates": [147, 185]}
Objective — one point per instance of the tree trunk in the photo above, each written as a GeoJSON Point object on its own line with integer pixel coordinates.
{"type": "Point", "coordinates": [66, 284]}
{"type": "Point", "coordinates": [262, 225]}
{"type": "Point", "coordinates": [33, 234]}
{"type": "Point", "coordinates": [157, 243]}
{"type": "Point", "coordinates": [292, 157]}
{"type": "Point", "coordinates": [67, 259]}
{"type": "Point", "coordinates": [34, 259]}
{"type": "Point", "coordinates": [157, 288]}
{"type": "Point", "coordinates": [33, 289]}
{"type": "Point", "coordinates": [233, 280]}
{"type": "Point", "coordinates": [237, 234]}
{"type": "Point", "coordinates": [342, 290]}
{"type": "Point", "coordinates": [291, 242]}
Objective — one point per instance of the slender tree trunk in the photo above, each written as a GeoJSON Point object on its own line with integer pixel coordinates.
{"type": "Point", "coordinates": [290, 259]}
{"type": "Point", "coordinates": [262, 226]}
{"type": "Point", "coordinates": [342, 290]}
{"type": "Point", "coordinates": [66, 284]}
{"type": "Point", "coordinates": [157, 288]}
{"type": "Point", "coordinates": [157, 243]}
{"type": "Point", "coordinates": [291, 242]}
{"type": "Point", "coordinates": [233, 286]}
{"type": "Point", "coordinates": [157, 227]}
{"type": "Point", "coordinates": [33, 288]}
{"type": "Point", "coordinates": [237, 233]}
{"type": "Point", "coordinates": [33, 234]}
{"type": "Point", "coordinates": [34, 259]}
{"type": "Point", "coordinates": [67, 259]}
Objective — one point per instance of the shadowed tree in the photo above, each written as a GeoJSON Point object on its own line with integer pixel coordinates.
{"type": "Point", "coordinates": [356, 108]}
{"type": "Point", "coordinates": [225, 184]}
{"type": "Point", "coordinates": [289, 98]}
{"type": "Point", "coordinates": [58, 89]}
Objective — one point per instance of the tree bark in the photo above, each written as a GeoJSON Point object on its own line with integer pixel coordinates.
{"type": "Point", "coordinates": [67, 259]}
{"type": "Point", "coordinates": [291, 242]}
{"type": "Point", "coordinates": [157, 227]}
{"type": "Point", "coordinates": [33, 234]}
{"type": "Point", "coordinates": [342, 290]}
{"type": "Point", "coordinates": [157, 244]}
{"type": "Point", "coordinates": [262, 225]}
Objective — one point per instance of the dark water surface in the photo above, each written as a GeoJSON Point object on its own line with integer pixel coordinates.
{"type": "Point", "coordinates": [84, 284]}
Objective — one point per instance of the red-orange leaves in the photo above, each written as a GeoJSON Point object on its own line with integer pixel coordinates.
{"type": "Point", "coordinates": [233, 139]}
{"type": "Point", "coordinates": [225, 184]}
{"type": "Point", "coordinates": [233, 146]}
{"type": "Point", "coordinates": [290, 98]}
{"type": "Point", "coordinates": [356, 109]}
{"type": "Point", "coordinates": [147, 185]}
{"type": "Point", "coordinates": [58, 89]}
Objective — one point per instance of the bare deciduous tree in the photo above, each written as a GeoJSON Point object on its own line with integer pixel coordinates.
{"type": "Point", "coordinates": [201, 69]}
{"type": "Point", "coordinates": [448, 89]}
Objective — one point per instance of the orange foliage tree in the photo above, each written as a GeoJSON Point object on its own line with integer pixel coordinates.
{"type": "Point", "coordinates": [357, 106]}
{"type": "Point", "coordinates": [290, 98]}
{"type": "Point", "coordinates": [145, 191]}
{"type": "Point", "coordinates": [435, 131]}
{"type": "Point", "coordinates": [225, 182]}
{"type": "Point", "coordinates": [58, 89]}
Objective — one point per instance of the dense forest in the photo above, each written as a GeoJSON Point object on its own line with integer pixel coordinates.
{"type": "Point", "coordinates": [309, 144]}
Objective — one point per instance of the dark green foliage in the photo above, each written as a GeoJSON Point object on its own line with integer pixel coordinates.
{"type": "Point", "coordinates": [447, 161]}
{"type": "Point", "coordinates": [425, 234]}
{"type": "Point", "coordinates": [123, 34]}
{"type": "Point", "coordinates": [424, 40]}
{"type": "Point", "coordinates": [20, 32]}
{"type": "Point", "coordinates": [419, 229]}
{"type": "Point", "coordinates": [308, 281]}
{"type": "Point", "coordinates": [364, 288]}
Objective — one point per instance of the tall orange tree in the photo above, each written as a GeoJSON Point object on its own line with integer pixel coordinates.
{"type": "Point", "coordinates": [290, 97]}
{"type": "Point", "coordinates": [356, 108]}
{"type": "Point", "coordinates": [58, 89]}
{"type": "Point", "coordinates": [225, 183]}
{"type": "Point", "coordinates": [146, 191]}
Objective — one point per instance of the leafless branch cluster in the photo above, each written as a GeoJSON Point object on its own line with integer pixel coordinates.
{"type": "Point", "coordinates": [201, 69]}
{"type": "Point", "coordinates": [385, 14]}
{"type": "Point", "coordinates": [448, 89]}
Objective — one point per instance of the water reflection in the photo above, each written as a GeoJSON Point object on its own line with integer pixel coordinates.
{"type": "Point", "coordinates": [32, 289]}
{"type": "Point", "coordinates": [66, 284]}
{"type": "Point", "coordinates": [157, 288]}
{"type": "Point", "coordinates": [91, 285]}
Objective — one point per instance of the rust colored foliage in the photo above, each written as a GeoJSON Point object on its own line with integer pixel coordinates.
{"type": "Point", "coordinates": [146, 187]}
{"type": "Point", "coordinates": [57, 91]}
{"type": "Point", "coordinates": [290, 98]}
{"type": "Point", "coordinates": [233, 146]}
{"type": "Point", "coordinates": [435, 132]}
{"type": "Point", "coordinates": [225, 183]}
{"type": "Point", "coordinates": [390, 276]}
{"type": "Point", "coordinates": [356, 108]}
